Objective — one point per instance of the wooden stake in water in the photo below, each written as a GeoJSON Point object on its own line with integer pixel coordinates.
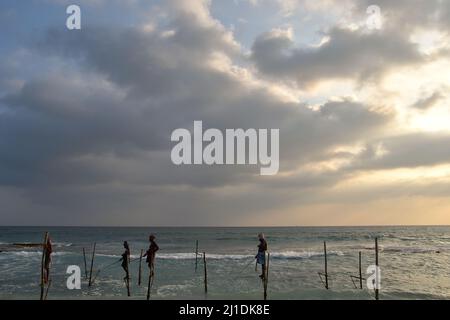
{"type": "Point", "coordinates": [92, 265]}
{"type": "Point", "coordinates": [48, 288]}
{"type": "Point", "coordinates": [324, 274]}
{"type": "Point", "coordinates": [205, 273]}
{"type": "Point", "coordinates": [326, 264]}
{"type": "Point", "coordinates": [377, 293]}
{"type": "Point", "coordinates": [360, 272]}
{"type": "Point", "coordinates": [85, 264]}
{"type": "Point", "coordinates": [196, 255]}
{"type": "Point", "coordinates": [266, 276]}
{"type": "Point", "coordinates": [127, 276]}
{"type": "Point", "coordinates": [359, 277]}
{"type": "Point", "coordinates": [149, 284]}
{"type": "Point", "coordinates": [140, 268]}
{"type": "Point", "coordinates": [150, 281]}
{"type": "Point", "coordinates": [44, 249]}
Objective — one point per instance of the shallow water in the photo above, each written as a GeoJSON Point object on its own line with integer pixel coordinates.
{"type": "Point", "coordinates": [414, 262]}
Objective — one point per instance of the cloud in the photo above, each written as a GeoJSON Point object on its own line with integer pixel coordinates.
{"type": "Point", "coordinates": [346, 54]}
{"type": "Point", "coordinates": [407, 15]}
{"type": "Point", "coordinates": [87, 139]}
{"type": "Point", "coordinates": [407, 151]}
{"type": "Point", "coordinates": [428, 102]}
{"type": "Point", "coordinates": [107, 120]}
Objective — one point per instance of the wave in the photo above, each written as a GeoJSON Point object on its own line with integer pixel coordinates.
{"type": "Point", "coordinates": [407, 238]}
{"type": "Point", "coordinates": [116, 256]}
{"type": "Point", "coordinates": [62, 244]}
{"type": "Point", "coordinates": [27, 254]}
{"type": "Point", "coordinates": [212, 256]}
{"type": "Point", "coordinates": [399, 249]}
{"type": "Point", "coordinates": [282, 255]}
{"type": "Point", "coordinates": [417, 238]}
{"type": "Point", "coordinates": [412, 250]}
{"type": "Point", "coordinates": [174, 289]}
{"type": "Point", "coordinates": [109, 255]}
{"type": "Point", "coordinates": [30, 245]}
{"type": "Point", "coordinates": [303, 254]}
{"type": "Point", "coordinates": [179, 256]}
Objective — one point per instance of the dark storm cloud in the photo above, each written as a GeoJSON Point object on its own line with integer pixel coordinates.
{"type": "Point", "coordinates": [140, 86]}
{"type": "Point", "coordinates": [58, 126]}
{"type": "Point", "coordinates": [53, 119]}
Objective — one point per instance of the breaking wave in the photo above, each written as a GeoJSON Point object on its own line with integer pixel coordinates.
{"type": "Point", "coordinates": [286, 255]}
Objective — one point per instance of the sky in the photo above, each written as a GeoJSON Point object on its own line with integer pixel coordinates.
{"type": "Point", "coordinates": [86, 115]}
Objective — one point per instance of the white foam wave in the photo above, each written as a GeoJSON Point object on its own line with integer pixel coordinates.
{"type": "Point", "coordinates": [27, 254]}
{"type": "Point", "coordinates": [303, 254]}
{"type": "Point", "coordinates": [116, 256]}
{"type": "Point", "coordinates": [190, 256]}
{"type": "Point", "coordinates": [62, 244]}
{"type": "Point", "coordinates": [274, 255]}
{"type": "Point", "coordinates": [173, 289]}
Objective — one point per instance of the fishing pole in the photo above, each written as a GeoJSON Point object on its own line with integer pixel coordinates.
{"type": "Point", "coordinates": [246, 266]}
{"type": "Point", "coordinates": [132, 260]}
{"type": "Point", "coordinates": [108, 266]}
{"type": "Point", "coordinates": [103, 268]}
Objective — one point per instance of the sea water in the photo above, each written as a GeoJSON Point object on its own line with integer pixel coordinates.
{"type": "Point", "coordinates": [414, 262]}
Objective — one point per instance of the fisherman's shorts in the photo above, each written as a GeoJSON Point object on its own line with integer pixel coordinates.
{"type": "Point", "coordinates": [261, 258]}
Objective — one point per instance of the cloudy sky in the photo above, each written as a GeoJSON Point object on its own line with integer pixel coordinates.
{"type": "Point", "coordinates": [86, 115]}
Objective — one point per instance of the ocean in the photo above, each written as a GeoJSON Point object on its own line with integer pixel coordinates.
{"type": "Point", "coordinates": [414, 262]}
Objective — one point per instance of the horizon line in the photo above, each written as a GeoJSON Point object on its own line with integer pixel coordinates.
{"type": "Point", "coordinates": [192, 226]}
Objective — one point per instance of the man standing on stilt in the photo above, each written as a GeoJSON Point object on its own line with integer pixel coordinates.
{"type": "Point", "coordinates": [151, 253]}
{"type": "Point", "coordinates": [261, 255]}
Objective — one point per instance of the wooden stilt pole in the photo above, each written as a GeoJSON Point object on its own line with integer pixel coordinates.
{"type": "Point", "coordinates": [266, 276]}
{"type": "Point", "coordinates": [359, 277]}
{"type": "Point", "coordinates": [205, 273]}
{"type": "Point", "coordinates": [44, 247]}
{"type": "Point", "coordinates": [48, 288]}
{"type": "Point", "coordinates": [85, 264]}
{"type": "Point", "coordinates": [92, 265]}
{"type": "Point", "coordinates": [49, 280]}
{"type": "Point", "coordinates": [140, 268]}
{"type": "Point", "coordinates": [377, 293]}
{"type": "Point", "coordinates": [149, 284]}
{"type": "Point", "coordinates": [326, 264]}
{"type": "Point", "coordinates": [196, 255]}
{"type": "Point", "coordinates": [127, 277]}
{"type": "Point", "coordinates": [127, 282]}
{"type": "Point", "coordinates": [150, 281]}
{"type": "Point", "coordinates": [360, 272]}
